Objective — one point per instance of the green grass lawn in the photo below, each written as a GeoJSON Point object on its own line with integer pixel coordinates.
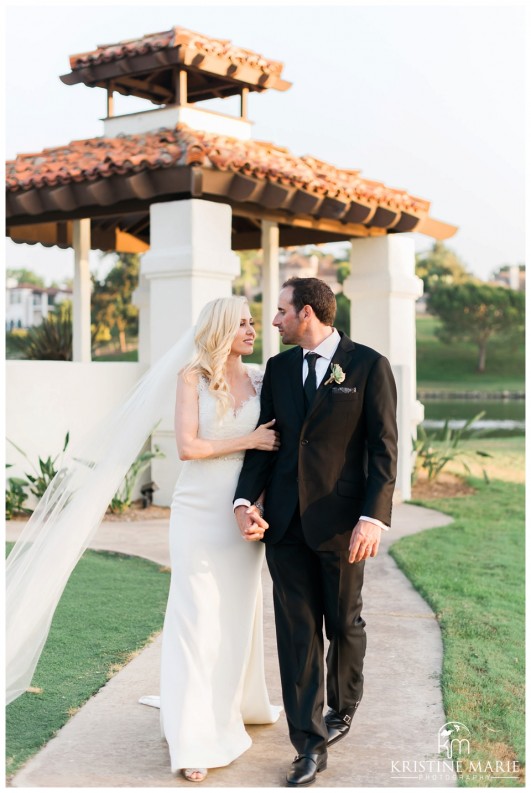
{"type": "Point", "coordinates": [111, 606]}
{"type": "Point", "coordinates": [130, 355]}
{"type": "Point", "coordinates": [452, 367]}
{"type": "Point", "coordinates": [472, 575]}
{"type": "Point", "coordinates": [507, 462]}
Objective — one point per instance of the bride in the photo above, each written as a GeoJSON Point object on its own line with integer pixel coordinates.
{"type": "Point", "coordinates": [212, 672]}
{"type": "Point", "coordinates": [212, 665]}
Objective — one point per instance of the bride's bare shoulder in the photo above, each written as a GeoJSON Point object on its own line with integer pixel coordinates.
{"type": "Point", "coordinates": [190, 379]}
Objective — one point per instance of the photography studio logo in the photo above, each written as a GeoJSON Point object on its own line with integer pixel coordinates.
{"type": "Point", "coordinates": [453, 740]}
{"type": "Point", "coordinates": [454, 759]}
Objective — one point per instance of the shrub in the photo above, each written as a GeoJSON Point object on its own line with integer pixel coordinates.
{"type": "Point", "coordinates": [124, 494]}
{"type": "Point", "coordinates": [16, 496]}
{"type": "Point", "coordinates": [41, 477]}
{"type": "Point", "coordinates": [433, 454]}
{"type": "Point", "coordinates": [49, 341]}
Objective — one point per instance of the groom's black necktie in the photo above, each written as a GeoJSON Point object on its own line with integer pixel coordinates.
{"type": "Point", "coordinates": [310, 384]}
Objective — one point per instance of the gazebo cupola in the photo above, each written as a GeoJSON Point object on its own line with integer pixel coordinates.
{"type": "Point", "coordinates": [175, 70]}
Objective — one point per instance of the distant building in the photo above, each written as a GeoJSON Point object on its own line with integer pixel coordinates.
{"type": "Point", "coordinates": [27, 304]}
{"type": "Point", "coordinates": [512, 277]}
{"type": "Point", "coordinates": [296, 262]}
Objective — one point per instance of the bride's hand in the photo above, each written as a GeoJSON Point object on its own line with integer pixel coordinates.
{"type": "Point", "coordinates": [265, 438]}
{"type": "Point", "coordinates": [251, 524]}
{"type": "Point", "coordinates": [258, 526]}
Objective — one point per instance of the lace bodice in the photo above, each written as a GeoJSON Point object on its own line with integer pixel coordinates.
{"type": "Point", "coordinates": [233, 423]}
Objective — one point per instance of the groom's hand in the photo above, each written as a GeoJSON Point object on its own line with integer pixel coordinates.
{"type": "Point", "coordinates": [252, 526]}
{"type": "Point", "coordinates": [364, 541]}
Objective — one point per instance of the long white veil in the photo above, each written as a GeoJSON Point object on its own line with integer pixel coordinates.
{"type": "Point", "coordinates": [71, 510]}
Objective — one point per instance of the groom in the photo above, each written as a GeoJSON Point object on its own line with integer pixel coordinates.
{"type": "Point", "coordinates": [328, 493]}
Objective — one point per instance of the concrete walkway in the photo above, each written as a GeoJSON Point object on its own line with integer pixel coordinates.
{"type": "Point", "coordinates": [115, 742]}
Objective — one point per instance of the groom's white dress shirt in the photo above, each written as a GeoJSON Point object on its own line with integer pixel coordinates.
{"type": "Point", "coordinates": [326, 351]}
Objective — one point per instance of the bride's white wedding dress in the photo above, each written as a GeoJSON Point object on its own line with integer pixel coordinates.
{"type": "Point", "coordinates": [212, 667]}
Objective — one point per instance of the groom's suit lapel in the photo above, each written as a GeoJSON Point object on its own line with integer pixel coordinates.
{"type": "Point", "coordinates": [343, 357]}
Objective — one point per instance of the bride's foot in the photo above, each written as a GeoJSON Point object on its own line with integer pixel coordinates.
{"type": "Point", "coordinates": [194, 774]}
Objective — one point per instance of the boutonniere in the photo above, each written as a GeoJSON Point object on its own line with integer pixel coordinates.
{"type": "Point", "coordinates": [337, 376]}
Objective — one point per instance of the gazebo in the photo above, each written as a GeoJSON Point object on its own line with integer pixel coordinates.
{"type": "Point", "coordinates": [186, 187]}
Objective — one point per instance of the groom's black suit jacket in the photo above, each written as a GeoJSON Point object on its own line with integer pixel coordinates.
{"type": "Point", "coordinates": [338, 461]}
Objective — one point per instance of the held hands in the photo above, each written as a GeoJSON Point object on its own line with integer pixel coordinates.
{"type": "Point", "coordinates": [265, 438]}
{"type": "Point", "coordinates": [252, 526]}
{"type": "Point", "coordinates": [364, 541]}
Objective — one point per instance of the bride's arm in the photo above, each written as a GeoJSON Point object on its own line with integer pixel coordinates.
{"type": "Point", "coordinates": [191, 447]}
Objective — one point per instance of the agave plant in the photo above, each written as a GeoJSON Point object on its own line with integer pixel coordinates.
{"type": "Point", "coordinates": [433, 451]}
{"type": "Point", "coordinates": [49, 341]}
{"type": "Point", "coordinates": [42, 475]}
{"type": "Point", "coordinates": [122, 498]}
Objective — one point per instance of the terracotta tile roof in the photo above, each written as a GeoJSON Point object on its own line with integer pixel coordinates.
{"type": "Point", "coordinates": [96, 158]}
{"type": "Point", "coordinates": [88, 160]}
{"type": "Point", "coordinates": [171, 39]}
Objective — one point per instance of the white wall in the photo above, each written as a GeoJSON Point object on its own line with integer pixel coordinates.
{"type": "Point", "coordinates": [196, 118]}
{"type": "Point", "coordinates": [45, 399]}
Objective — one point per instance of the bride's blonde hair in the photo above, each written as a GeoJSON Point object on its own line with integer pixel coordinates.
{"type": "Point", "coordinates": [216, 328]}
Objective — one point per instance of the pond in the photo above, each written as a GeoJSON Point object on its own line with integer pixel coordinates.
{"type": "Point", "coordinates": [503, 417]}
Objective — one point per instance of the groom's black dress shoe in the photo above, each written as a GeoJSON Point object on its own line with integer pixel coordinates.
{"type": "Point", "coordinates": [338, 724]}
{"type": "Point", "coordinates": [305, 768]}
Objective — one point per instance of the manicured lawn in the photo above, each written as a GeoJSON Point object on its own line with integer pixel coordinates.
{"type": "Point", "coordinates": [130, 355]}
{"type": "Point", "coordinates": [507, 462]}
{"type": "Point", "coordinates": [111, 606]}
{"type": "Point", "coordinates": [444, 367]}
{"type": "Point", "coordinates": [472, 575]}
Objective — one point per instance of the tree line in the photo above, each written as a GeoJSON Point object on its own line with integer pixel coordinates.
{"type": "Point", "coordinates": [114, 317]}
{"type": "Point", "coordinates": [468, 309]}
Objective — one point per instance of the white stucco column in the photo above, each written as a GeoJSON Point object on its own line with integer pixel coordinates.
{"type": "Point", "coordinates": [383, 289]}
{"type": "Point", "coordinates": [270, 287]}
{"type": "Point", "coordinates": [81, 297]}
{"type": "Point", "coordinates": [141, 300]}
{"type": "Point", "coordinates": [189, 262]}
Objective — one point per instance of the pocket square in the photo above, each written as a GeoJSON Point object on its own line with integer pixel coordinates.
{"type": "Point", "coordinates": [345, 390]}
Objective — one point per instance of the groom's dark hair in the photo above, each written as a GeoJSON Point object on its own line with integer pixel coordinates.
{"type": "Point", "coordinates": [315, 293]}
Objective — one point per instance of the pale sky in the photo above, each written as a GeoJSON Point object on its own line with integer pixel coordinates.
{"type": "Point", "coordinates": [422, 97]}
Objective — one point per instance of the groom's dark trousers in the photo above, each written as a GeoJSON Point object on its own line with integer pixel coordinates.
{"type": "Point", "coordinates": [337, 461]}
{"type": "Point", "coordinates": [307, 586]}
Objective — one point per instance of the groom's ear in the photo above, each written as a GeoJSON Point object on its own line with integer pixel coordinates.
{"type": "Point", "coordinates": [306, 312]}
